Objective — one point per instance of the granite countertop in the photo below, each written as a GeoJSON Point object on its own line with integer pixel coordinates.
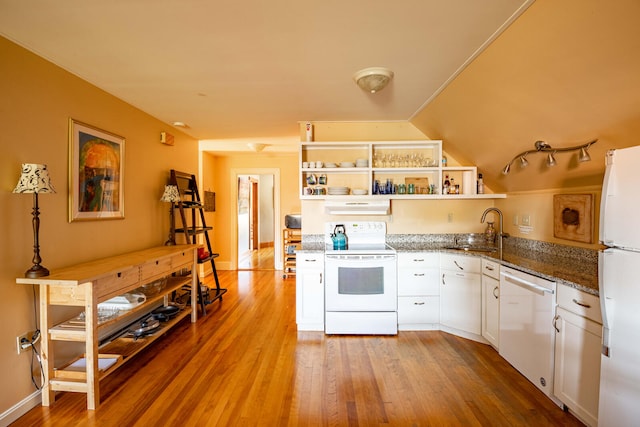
{"type": "Point", "coordinates": [570, 266]}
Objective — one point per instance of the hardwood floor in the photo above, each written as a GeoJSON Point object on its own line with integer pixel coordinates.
{"type": "Point", "coordinates": [261, 259]}
{"type": "Point", "coordinates": [244, 364]}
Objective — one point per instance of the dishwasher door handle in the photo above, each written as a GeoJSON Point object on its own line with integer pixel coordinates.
{"type": "Point", "coordinates": [540, 290]}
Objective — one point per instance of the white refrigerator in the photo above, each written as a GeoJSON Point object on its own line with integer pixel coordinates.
{"type": "Point", "coordinates": [619, 283]}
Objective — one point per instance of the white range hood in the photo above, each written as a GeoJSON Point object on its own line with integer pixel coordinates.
{"type": "Point", "coordinates": [359, 207]}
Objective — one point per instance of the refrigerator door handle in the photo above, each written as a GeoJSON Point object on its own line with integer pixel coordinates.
{"type": "Point", "coordinates": [607, 192]}
{"type": "Point", "coordinates": [603, 304]}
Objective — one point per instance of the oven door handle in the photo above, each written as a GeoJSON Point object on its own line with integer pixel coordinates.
{"type": "Point", "coordinates": [525, 284]}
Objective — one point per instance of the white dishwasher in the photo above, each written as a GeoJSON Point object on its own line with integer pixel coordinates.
{"type": "Point", "coordinates": [527, 308]}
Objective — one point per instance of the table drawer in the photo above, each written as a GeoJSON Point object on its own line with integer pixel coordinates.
{"type": "Point", "coordinates": [579, 302]}
{"type": "Point", "coordinates": [182, 260]}
{"type": "Point", "coordinates": [116, 283]}
{"type": "Point", "coordinates": [155, 269]}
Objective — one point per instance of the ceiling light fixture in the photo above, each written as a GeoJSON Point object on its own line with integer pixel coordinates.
{"type": "Point", "coordinates": [373, 79]}
{"type": "Point", "coordinates": [180, 125]}
{"type": "Point", "coordinates": [543, 147]}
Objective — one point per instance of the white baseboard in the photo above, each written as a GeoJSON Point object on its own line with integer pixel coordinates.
{"type": "Point", "coordinates": [20, 408]}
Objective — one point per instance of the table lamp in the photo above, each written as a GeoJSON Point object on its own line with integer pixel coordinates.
{"type": "Point", "coordinates": [35, 179]}
{"type": "Point", "coordinates": [171, 195]}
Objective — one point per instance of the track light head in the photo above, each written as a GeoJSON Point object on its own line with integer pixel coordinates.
{"type": "Point", "coordinates": [584, 155]}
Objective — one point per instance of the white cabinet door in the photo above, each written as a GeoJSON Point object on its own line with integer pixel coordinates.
{"type": "Point", "coordinates": [577, 364]}
{"type": "Point", "coordinates": [310, 292]}
{"type": "Point", "coordinates": [460, 301]}
{"type": "Point", "coordinates": [491, 310]}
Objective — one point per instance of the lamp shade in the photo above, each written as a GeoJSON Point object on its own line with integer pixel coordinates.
{"type": "Point", "coordinates": [34, 179]}
{"type": "Point", "coordinates": [373, 79]}
{"type": "Point", "coordinates": [171, 194]}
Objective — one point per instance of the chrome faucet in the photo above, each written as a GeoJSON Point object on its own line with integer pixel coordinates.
{"type": "Point", "coordinates": [501, 233]}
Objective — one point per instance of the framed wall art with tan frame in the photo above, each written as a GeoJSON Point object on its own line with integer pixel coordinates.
{"type": "Point", "coordinates": [96, 173]}
{"type": "Point", "coordinates": [573, 217]}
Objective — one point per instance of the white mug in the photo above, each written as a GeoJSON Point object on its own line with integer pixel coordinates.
{"type": "Point", "coordinates": [318, 164]}
{"type": "Point", "coordinates": [305, 165]}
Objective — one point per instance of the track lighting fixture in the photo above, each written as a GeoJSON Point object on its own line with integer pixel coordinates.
{"type": "Point", "coordinates": [543, 147]}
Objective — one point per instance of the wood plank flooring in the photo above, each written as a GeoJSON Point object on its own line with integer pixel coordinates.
{"type": "Point", "coordinates": [244, 364]}
{"type": "Point", "coordinates": [261, 259]}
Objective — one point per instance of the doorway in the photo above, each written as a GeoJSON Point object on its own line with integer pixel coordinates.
{"type": "Point", "coordinates": [255, 222]}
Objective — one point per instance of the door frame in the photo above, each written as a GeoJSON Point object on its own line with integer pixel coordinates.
{"type": "Point", "coordinates": [277, 243]}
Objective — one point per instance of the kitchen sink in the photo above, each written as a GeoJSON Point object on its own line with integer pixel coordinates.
{"type": "Point", "coordinates": [476, 242]}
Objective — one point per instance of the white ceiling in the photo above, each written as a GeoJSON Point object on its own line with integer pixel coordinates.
{"type": "Point", "coordinates": [257, 68]}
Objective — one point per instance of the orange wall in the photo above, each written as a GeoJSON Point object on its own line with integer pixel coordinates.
{"type": "Point", "coordinates": [36, 101]}
{"type": "Point", "coordinates": [218, 171]}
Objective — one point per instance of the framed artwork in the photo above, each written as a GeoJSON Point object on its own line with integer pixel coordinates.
{"type": "Point", "coordinates": [573, 217]}
{"type": "Point", "coordinates": [96, 173]}
{"type": "Point", "coordinates": [209, 201]}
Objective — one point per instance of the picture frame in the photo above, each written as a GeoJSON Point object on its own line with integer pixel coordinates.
{"type": "Point", "coordinates": [96, 173]}
{"type": "Point", "coordinates": [573, 217]}
{"type": "Point", "coordinates": [209, 201]}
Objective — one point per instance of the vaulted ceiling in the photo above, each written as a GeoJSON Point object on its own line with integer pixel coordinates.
{"type": "Point", "coordinates": [489, 78]}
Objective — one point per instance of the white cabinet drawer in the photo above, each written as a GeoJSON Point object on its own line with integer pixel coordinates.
{"type": "Point", "coordinates": [461, 263]}
{"type": "Point", "coordinates": [413, 282]}
{"type": "Point", "coordinates": [418, 260]}
{"type": "Point", "coordinates": [491, 269]}
{"type": "Point", "coordinates": [418, 310]}
{"type": "Point", "coordinates": [578, 302]}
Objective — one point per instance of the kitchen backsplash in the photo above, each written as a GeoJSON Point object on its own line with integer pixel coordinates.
{"type": "Point", "coordinates": [515, 245]}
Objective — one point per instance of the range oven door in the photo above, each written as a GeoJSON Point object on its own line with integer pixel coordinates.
{"type": "Point", "coordinates": [361, 282]}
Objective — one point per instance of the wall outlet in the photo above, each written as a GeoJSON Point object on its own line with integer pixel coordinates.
{"type": "Point", "coordinates": [23, 342]}
{"type": "Point", "coordinates": [450, 217]}
{"type": "Point", "coordinates": [525, 220]}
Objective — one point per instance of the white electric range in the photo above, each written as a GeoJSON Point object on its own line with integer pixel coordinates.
{"type": "Point", "coordinates": [361, 290]}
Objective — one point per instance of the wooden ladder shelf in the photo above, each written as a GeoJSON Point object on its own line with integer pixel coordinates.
{"type": "Point", "coordinates": [194, 225]}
